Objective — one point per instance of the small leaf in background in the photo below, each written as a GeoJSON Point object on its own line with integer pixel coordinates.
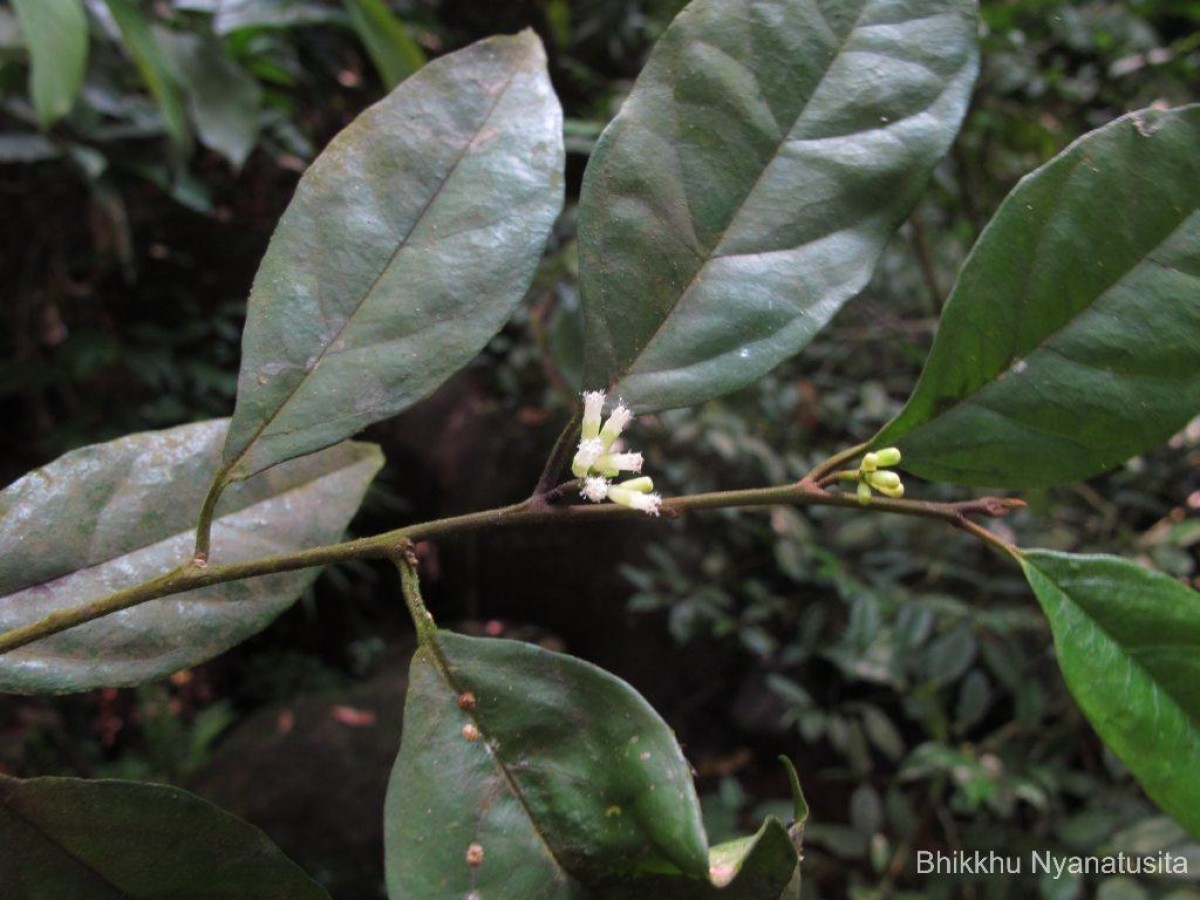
{"type": "Point", "coordinates": [225, 101]}
{"type": "Point", "coordinates": [155, 70]}
{"type": "Point", "coordinates": [110, 516]}
{"type": "Point", "coordinates": [1128, 643]}
{"type": "Point", "coordinates": [566, 784]}
{"type": "Point", "coordinates": [56, 33]}
{"type": "Point", "coordinates": [235, 15]}
{"type": "Point", "coordinates": [408, 244]}
{"type": "Point", "coordinates": [746, 189]}
{"type": "Point", "coordinates": [1072, 338]}
{"type": "Point", "coordinates": [393, 50]}
{"type": "Point", "coordinates": [69, 837]}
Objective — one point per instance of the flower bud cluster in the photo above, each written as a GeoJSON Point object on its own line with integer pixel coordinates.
{"type": "Point", "coordinates": [596, 463]}
{"type": "Point", "coordinates": [872, 474]}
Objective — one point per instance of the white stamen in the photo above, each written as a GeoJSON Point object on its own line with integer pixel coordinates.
{"type": "Point", "coordinates": [589, 451]}
{"type": "Point", "coordinates": [595, 489]}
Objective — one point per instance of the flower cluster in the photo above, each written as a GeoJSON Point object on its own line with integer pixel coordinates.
{"type": "Point", "coordinates": [871, 474]}
{"type": "Point", "coordinates": [596, 463]}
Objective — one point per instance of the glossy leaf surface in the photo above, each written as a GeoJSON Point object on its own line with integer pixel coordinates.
{"type": "Point", "coordinates": [1128, 643]}
{"type": "Point", "coordinates": [393, 50]}
{"type": "Point", "coordinates": [56, 33]}
{"type": "Point", "coordinates": [153, 66]}
{"type": "Point", "coordinates": [749, 183]}
{"type": "Point", "coordinates": [1072, 338]}
{"type": "Point", "coordinates": [113, 515]}
{"type": "Point", "coordinates": [407, 245]}
{"type": "Point", "coordinates": [114, 840]}
{"type": "Point", "coordinates": [567, 782]}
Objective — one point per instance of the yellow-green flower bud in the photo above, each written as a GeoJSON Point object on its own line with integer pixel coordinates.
{"type": "Point", "coordinates": [888, 456]}
{"type": "Point", "coordinates": [864, 493]}
{"type": "Point", "coordinates": [882, 480]}
{"type": "Point", "coordinates": [870, 462]}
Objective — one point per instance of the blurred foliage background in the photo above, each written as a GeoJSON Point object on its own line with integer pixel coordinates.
{"type": "Point", "coordinates": [908, 673]}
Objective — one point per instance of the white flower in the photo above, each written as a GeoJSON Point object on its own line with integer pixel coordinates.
{"type": "Point", "coordinates": [593, 408]}
{"type": "Point", "coordinates": [611, 464]}
{"type": "Point", "coordinates": [636, 495]}
{"type": "Point", "coordinates": [617, 420]}
{"type": "Point", "coordinates": [590, 450]}
{"type": "Point", "coordinates": [595, 488]}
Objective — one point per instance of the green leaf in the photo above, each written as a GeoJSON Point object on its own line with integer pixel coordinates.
{"type": "Point", "coordinates": [408, 244]}
{"type": "Point", "coordinates": [1128, 643]}
{"type": "Point", "coordinates": [568, 782]}
{"type": "Point", "coordinates": [749, 184]}
{"type": "Point", "coordinates": [1072, 338]}
{"type": "Point", "coordinates": [154, 68]}
{"type": "Point", "coordinates": [56, 32]}
{"type": "Point", "coordinates": [224, 100]}
{"type": "Point", "coordinates": [393, 51]}
{"type": "Point", "coordinates": [234, 15]}
{"type": "Point", "coordinates": [110, 516]}
{"type": "Point", "coordinates": [113, 840]}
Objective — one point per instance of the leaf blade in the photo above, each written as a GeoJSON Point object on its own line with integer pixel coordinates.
{"type": "Point", "coordinates": [154, 68]}
{"type": "Point", "coordinates": [1071, 340]}
{"type": "Point", "coordinates": [1128, 643]}
{"type": "Point", "coordinates": [391, 48]}
{"type": "Point", "coordinates": [351, 319]}
{"type": "Point", "coordinates": [534, 771]}
{"type": "Point", "coordinates": [747, 187]}
{"type": "Point", "coordinates": [70, 837]}
{"type": "Point", "coordinates": [57, 34]}
{"type": "Point", "coordinates": [112, 515]}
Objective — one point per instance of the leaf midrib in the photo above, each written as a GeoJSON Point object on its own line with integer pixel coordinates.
{"type": "Point", "coordinates": [1132, 661]}
{"type": "Point", "coordinates": [711, 252]}
{"type": "Point", "coordinates": [38, 832]}
{"type": "Point", "coordinates": [971, 397]}
{"type": "Point", "coordinates": [97, 564]}
{"type": "Point", "coordinates": [229, 465]}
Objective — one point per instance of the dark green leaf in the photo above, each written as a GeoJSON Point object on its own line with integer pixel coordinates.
{"type": "Point", "coordinates": [223, 98]}
{"type": "Point", "coordinates": [572, 786]}
{"type": "Point", "coordinates": [1072, 339]}
{"type": "Point", "coordinates": [408, 244]}
{"type": "Point", "coordinates": [1128, 642]}
{"type": "Point", "coordinates": [752, 178]}
{"type": "Point", "coordinates": [56, 32]}
{"type": "Point", "coordinates": [153, 66]}
{"type": "Point", "coordinates": [115, 840]}
{"type": "Point", "coordinates": [393, 51]}
{"type": "Point", "coordinates": [113, 515]}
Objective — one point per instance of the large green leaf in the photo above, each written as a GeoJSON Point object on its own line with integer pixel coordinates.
{"type": "Point", "coordinates": [110, 516]}
{"type": "Point", "coordinates": [1072, 339]}
{"type": "Point", "coordinates": [56, 32]}
{"type": "Point", "coordinates": [408, 244]}
{"type": "Point", "coordinates": [566, 780]}
{"type": "Point", "coordinates": [1128, 642]}
{"type": "Point", "coordinates": [153, 66]}
{"type": "Point", "coordinates": [115, 840]}
{"type": "Point", "coordinates": [393, 50]}
{"type": "Point", "coordinates": [751, 180]}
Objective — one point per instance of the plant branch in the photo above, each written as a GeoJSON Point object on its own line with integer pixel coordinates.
{"type": "Point", "coordinates": [396, 544]}
{"type": "Point", "coordinates": [559, 454]}
{"type": "Point", "coordinates": [817, 474]}
{"type": "Point", "coordinates": [410, 586]}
